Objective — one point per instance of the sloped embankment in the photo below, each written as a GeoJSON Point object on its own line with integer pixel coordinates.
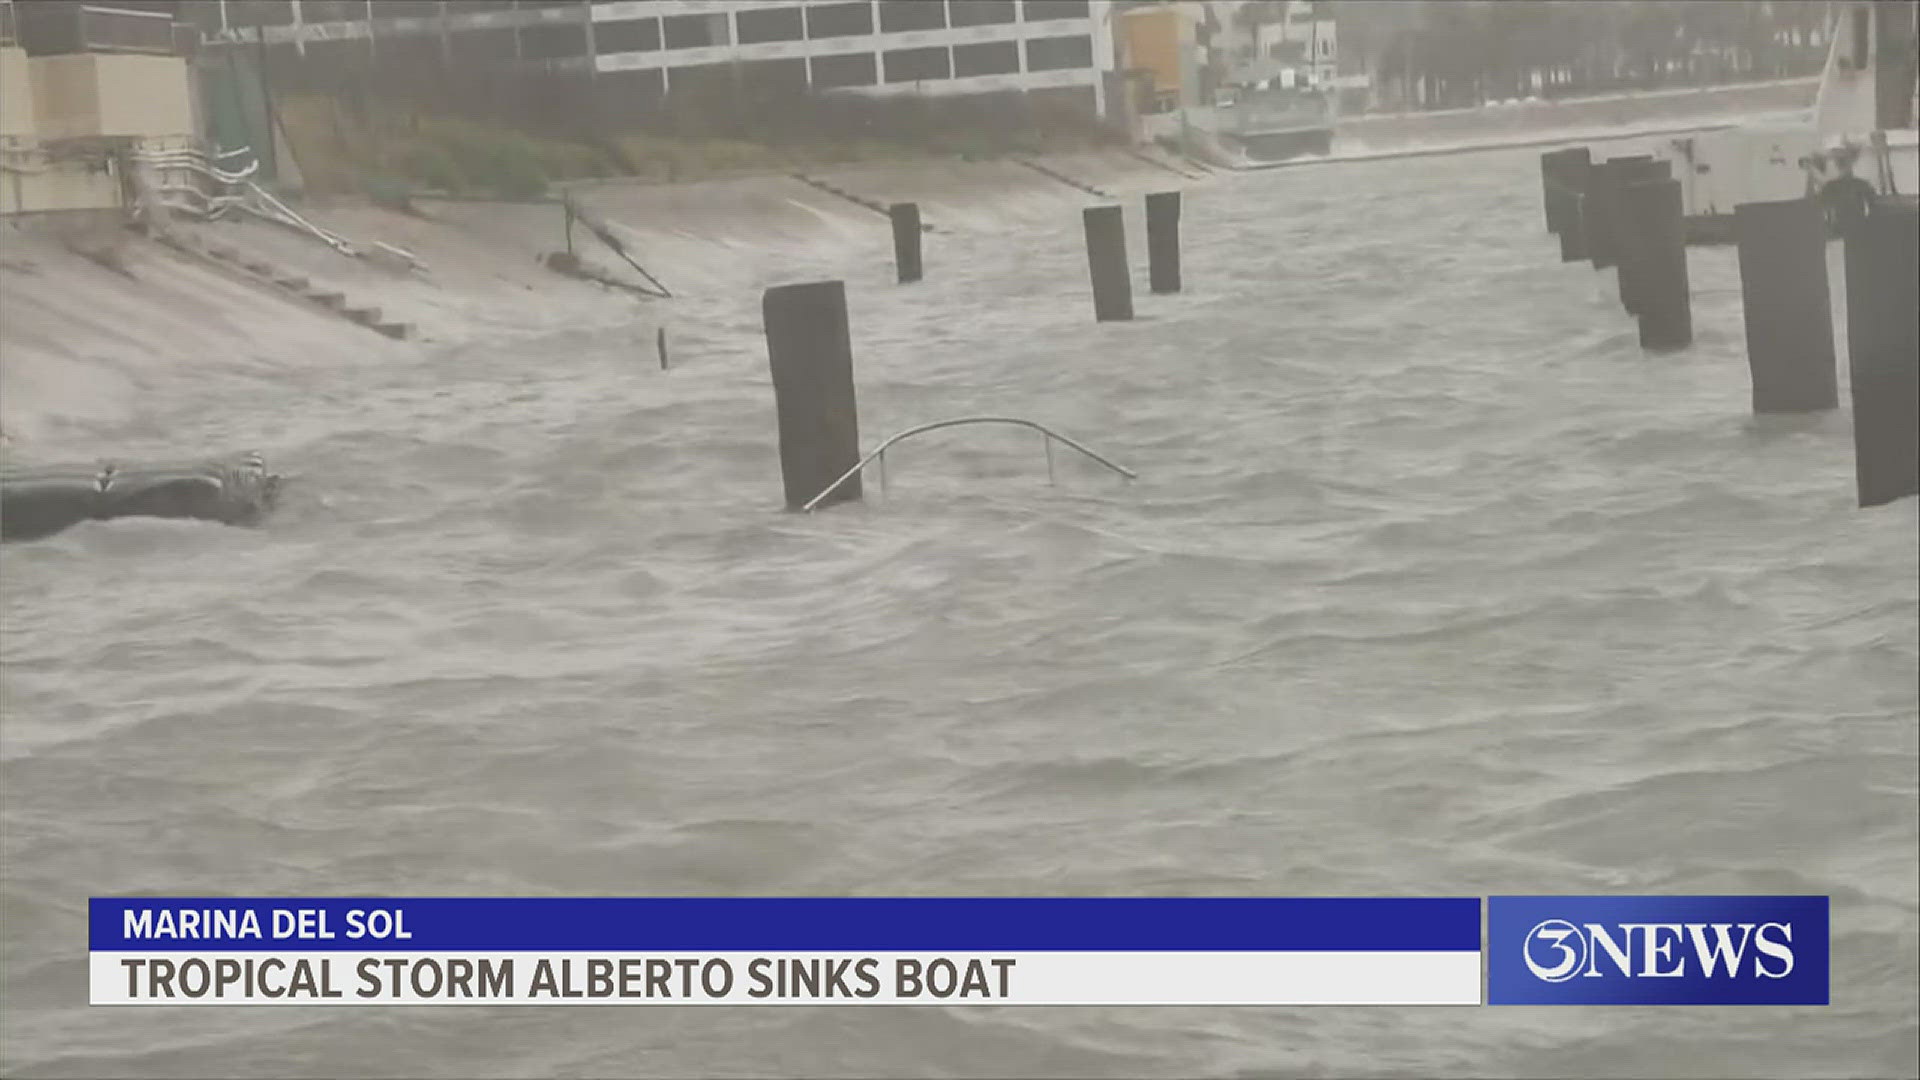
{"type": "Point", "coordinates": [146, 357]}
{"type": "Point", "coordinates": [93, 356]}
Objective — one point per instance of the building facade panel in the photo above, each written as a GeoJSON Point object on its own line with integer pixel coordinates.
{"type": "Point", "coordinates": [843, 70]}
{"type": "Point", "coordinates": [984, 12]}
{"type": "Point", "coordinates": [626, 36]}
{"type": "Point", "coordinates": [1053, 10]}
{"type": "Point", "coordinates": [763, 25]}
{"type": "Point", "coordinates": [1057, 53]}
{"type": "Point", "coordinates": [986, 58]}
{"type": "Point", "coordinates": [696, 30]}
{"type": "Point", "coordinates": [903, 16]}
{"type": "Point", "coordinates": [917, 65]}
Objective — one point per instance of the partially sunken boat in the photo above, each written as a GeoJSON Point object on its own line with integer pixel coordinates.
{"type": "Point", "coordinates": [1863, 123]}
{"type": "Point", "coordinates": [1274, 120]}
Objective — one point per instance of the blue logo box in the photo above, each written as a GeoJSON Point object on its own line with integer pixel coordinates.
{"type": "Point", "coordinates": [1657, 950]}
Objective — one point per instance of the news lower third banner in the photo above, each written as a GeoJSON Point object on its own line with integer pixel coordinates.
{"type": "Point", "coordinates": [1026, 951]}
{"type": "Point", "coordinates": [1537, 950]}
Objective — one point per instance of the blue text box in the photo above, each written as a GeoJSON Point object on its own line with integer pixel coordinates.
{"type": "Point", "coordinates": [818, 924]}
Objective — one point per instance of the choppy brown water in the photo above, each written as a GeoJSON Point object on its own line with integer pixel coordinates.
{"type": "Point", "coordinates": [1433, 583]}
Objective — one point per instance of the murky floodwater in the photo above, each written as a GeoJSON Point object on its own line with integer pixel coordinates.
{"type": "Point", "coordinates": [1432, 584]}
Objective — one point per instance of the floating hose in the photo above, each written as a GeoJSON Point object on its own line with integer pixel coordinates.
{"type": "Point", "coordinates": [39, 502]}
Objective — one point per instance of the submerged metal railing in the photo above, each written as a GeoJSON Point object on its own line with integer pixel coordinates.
{"type": "Point", "coordinates": [273, 209]}
{"type": "Point", "coordinates": [202, 173]}
{"type": "Point", "coordinates": [235, 189]}
{"type": "Point", "coordinates": [879, 453]}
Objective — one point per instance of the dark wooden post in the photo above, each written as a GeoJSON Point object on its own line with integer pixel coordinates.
{"type": "Point", "coordinates": [1601, 208]}
{"type": "Point", "coordinates": [1629, 247]}
{"type": "Point", "coordinates": [811, 354]}
{"type": "Point", "coordinates": [906, 240]}
{"type": "Point", "coordinates": [1788, 312]}
{"type": "Point", "coordinates": [1163, 241]}
{"type": "Point", "coordinates": [1664, 297]}
{"type": "Point", "coordinates": [1883, 351]}
{"type": "Point", "coordinates": [1562, 180]}
{"type": "Point", "coordinates": [1107, 261]}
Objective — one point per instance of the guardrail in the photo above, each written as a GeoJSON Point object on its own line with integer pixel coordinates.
{"type": "Point", "coordinates": [879, 453]}
{"type": "Point", "coordinates": [188, 183]}
{"type": "Point", "coordinates": [236, 189]}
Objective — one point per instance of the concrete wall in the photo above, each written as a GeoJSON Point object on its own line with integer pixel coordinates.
{"type": "Point", "coordinates": [66, 96]}
{"type": "Point", "coordinates": [100, 94]}
{"type": "Point", "coordinates": [1155, 41]}
{"type": "Point", "coordinates": [16, 94]}
{"type": "Point", "coordinates": [91, 95]}
{"type": "Point", "coordinates": [34, 186]}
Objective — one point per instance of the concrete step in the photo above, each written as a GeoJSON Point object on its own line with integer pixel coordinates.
{"type": "Point", "coordinates": [365, 316]}
{"type": "Point", "coordinates": [398, 331]}
{"type": "Point", "coordinates": [258, 266]}
{"type": "Point", "coordinates": [327, 298]}
{"type": "Point", "coordinates": [290, 281]}
{"type": "Point", "coordinates": [226, 252]}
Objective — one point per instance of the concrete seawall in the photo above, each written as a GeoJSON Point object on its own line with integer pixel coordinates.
{"type": "Point", "coordinates": [86, 350]}
{"type": "Point", "coordinates": [96, 359]}
{"type": "Point", "coordinates": [90, 354]}
{"type": "Point", "coordinates": [1496, 124]}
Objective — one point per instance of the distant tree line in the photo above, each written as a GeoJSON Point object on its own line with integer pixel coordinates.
{"type": "Point", "coordinates": [1438, 54]}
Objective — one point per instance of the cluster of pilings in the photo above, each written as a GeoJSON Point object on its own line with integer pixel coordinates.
{"type": "Point", "coordinates": [810, 347]}
{"type": "Point", "coordinates": [1625, 213]}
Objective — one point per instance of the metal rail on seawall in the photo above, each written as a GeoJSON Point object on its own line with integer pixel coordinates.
{"type": "Point", "coordinates": [879, 453]}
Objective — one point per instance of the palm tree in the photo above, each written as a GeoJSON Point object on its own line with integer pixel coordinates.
{"type": "Point", "coordinates": [1255, 15]}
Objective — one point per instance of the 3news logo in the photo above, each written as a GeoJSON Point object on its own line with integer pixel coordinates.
{"type": "Point", "coordinates": [1657, 950]}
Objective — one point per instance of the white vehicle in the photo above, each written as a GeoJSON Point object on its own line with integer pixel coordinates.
{"type": "Point", "coordinates": [1863, 119]}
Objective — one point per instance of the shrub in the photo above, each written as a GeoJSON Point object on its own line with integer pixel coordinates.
{"type": "Point", "coordinates": [432, 167]}
{"type": "Point", "coordinates": [494, 159]}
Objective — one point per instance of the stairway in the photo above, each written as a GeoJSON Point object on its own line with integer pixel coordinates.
{"type": "Point", "coordinates": [295, 286]}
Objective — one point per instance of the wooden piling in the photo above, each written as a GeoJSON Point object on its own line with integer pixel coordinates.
{"type": "Point", "coordinates": [1163, 241]}
{"type": "Point", "coordinates": [1107, 262]}
{"type": "Point", "coordinates": [906, 240]}
{"type": "Point", "coordinates": [1601, 208]}
{"type": "Point", "coordinates": [1788, 308]}
{"type": "Point", "coordinates": [1562, 180]}
{"type": "Point", "coordinates": [1628, 250]}
{"type": "Point", "coordinates": [1883, 350]}
{"type": "Point", "coordinates": [1663, 293]}
{"type": "Point", "coordinates": [810, 352]}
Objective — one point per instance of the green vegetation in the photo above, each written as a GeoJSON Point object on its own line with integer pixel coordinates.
{"type": "Point", "coordinates": [346, 143]}
{"type": "Point", "coordinates": [337, 153]}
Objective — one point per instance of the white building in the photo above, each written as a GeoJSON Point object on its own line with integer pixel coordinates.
{"type": "Point", "coordinates": [1263, 39]}
{"type": "Point", "coordinates": [863, 46]}
{"type": "Point", "coordinates": [873, 46]}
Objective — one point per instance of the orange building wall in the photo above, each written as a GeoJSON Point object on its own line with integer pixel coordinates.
{"type": "Point", "coordinates": [1153, 44]}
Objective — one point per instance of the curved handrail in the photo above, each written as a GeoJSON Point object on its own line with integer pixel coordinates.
{"type": "Point", "coordinates": [195, 161]}
{"type": "Point", "coordinates": [877, 451]}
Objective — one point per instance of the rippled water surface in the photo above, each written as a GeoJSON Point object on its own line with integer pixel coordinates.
{"type": "Point", "coordinates": [1432, 583]}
